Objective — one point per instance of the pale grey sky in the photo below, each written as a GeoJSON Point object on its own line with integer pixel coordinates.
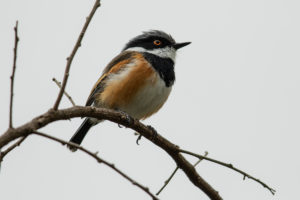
{"type": "Point", "coordinates": [236, 96]}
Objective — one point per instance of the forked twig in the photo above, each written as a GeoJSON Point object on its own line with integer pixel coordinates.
{"type": "Point", "coordinates": [174, 172]}
{"type": "Point", "coordinates": [200, 159]}
{"type": "Point", "coordinates": [65, 93]}
{"type": "Point", "coordinates": [12, 77]}
{"type": "Point", "coordinates": [76, 47]}
{"type": "Point", "coordinates": [9, 149]}
{"type": "Point", "coordinates": [99, 160]}
{"type": "Point", "coordinates": [230, 166]}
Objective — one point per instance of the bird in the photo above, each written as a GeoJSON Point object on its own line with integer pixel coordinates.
{"type": "Point", "coordinates": [137, 82]}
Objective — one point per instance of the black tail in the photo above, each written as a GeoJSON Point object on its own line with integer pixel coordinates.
{"type": "Point", "coordinates": [80, 133]}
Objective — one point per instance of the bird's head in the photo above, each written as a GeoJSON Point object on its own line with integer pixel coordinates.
{"type": "Point", "coordinates": [155, 42]}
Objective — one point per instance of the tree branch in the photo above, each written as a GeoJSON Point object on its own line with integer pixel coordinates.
{"type": "Point", "coordinates": [76, 47]}
{"type": "Point", "coordinates": [9, 149]}
{"type": "Point", "coordinates": [200, 159]}
{"type": "Point", "coordinates": [119, 118]}
{"type": "Point", "coordinates": [174, 172]}
{"type": "Point", "coordinates": [99, 160]}
{"type": "Point", "coordinates": [167, 181]}
{"type": "Point", "coordinates": [65, 93]}
{"type": "Point", "coordinates": [12, 77]}
{"type": "Point", "coordinates": [230, 166]}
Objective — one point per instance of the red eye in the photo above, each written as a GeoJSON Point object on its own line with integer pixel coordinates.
{"type": "Point", "coordinates": [157, 42]}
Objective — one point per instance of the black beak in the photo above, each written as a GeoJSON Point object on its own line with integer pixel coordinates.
{"type": "Point", "coordinates": [180, 45]}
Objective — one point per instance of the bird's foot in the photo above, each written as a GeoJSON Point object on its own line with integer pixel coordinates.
{"type": "Point", "coordinates": [127, 117]}
{"type": "Point", "coordinates": [138, 139]}
{"type": "Point", "coordinates": [72, 148]}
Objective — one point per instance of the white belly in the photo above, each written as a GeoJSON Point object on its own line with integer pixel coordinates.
{"type": "Point", "coordinates": [148, 100]}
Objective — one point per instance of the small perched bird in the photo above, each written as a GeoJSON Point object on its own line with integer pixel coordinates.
{"type": "Point", "coordinates": [138, 81]}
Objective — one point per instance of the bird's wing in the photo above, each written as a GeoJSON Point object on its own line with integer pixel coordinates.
{"type": "Point", "coordinates": [114, 66]}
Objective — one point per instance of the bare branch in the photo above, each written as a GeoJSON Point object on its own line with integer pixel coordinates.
{"type": "Point", "coordinates": [230, 166]}
{"type": "Point", "coordinates": [174, 172]}
{"type": "Point", "coordinates": [12, 77]}
{"type": "Point", "coordinates": [65, 93]}
{"type": "Point", "coordinates": [9, 149]}
{"type": "Point", "coordinates": [200, 159]}
{"type": "Point", "coordinates": [76, 47]}
{"type": "Point", "coordinates": [119, 118]}
{"type": "Point", "coordinates": [167, 181]}
{"type": "Point", "coordinates": [99, 160]}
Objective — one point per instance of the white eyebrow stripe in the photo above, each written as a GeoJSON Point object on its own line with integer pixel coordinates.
{"type": "Point", "coordinates": [167, 52]}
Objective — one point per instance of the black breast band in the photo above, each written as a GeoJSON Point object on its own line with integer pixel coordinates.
{"type": "Point", "coordinates": [164, 67]}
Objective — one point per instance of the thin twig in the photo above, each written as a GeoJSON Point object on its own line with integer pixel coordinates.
{"type": "Point", "coordinates": [65, 93]}
{"type": "Point", "coordinates": [12, 77]}
{"type": "Point", "coordinates": [230, 166]}
{"type": "Point", "coordinates": [174, 172]}
{"type": "Point", "coordinates": [99, 160]}
{"type": "Point", "coordinates": [9, 149]}
{"type": "Point", "coordinates": [76, 47]}
{"type": "Point", "coordinates": [167, 181]}
{"type": "Point", "coordinates": [200, 159]}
